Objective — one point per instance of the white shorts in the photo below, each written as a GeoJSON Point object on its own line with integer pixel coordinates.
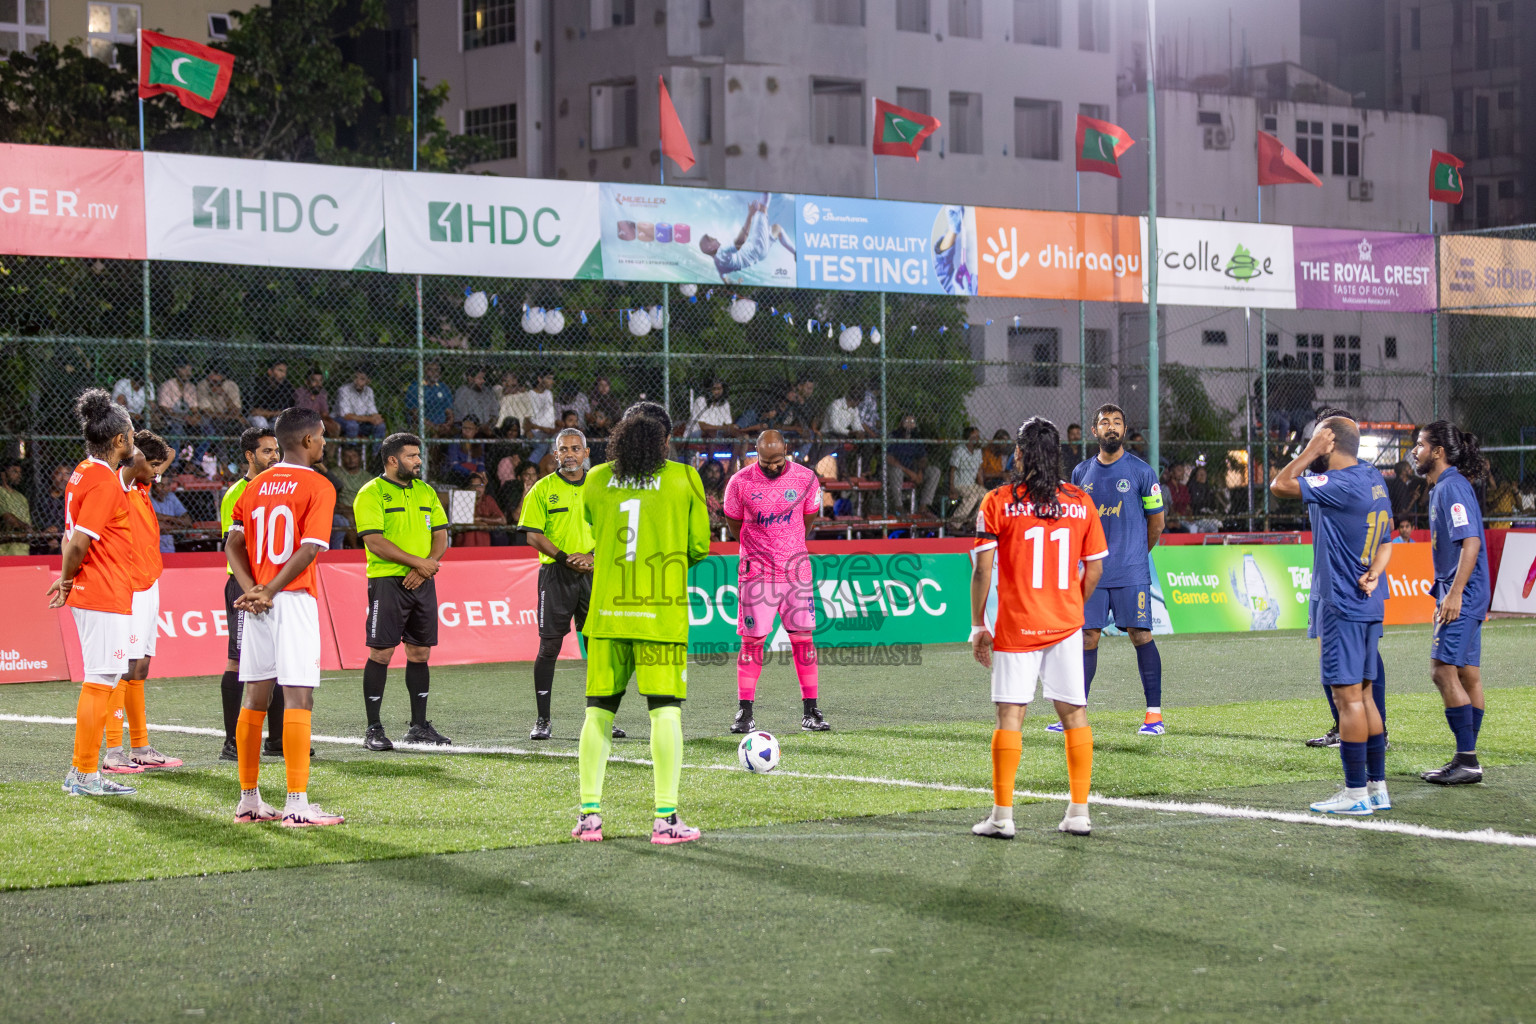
{"type": "Point", "coordinates": [1059, 668]}
{"type": "Point", "coordinates": [103, 644]}
{"type": "Point", "coordinates": [283, 642]}
{"type": "Point", "coordinates": [146, 621]}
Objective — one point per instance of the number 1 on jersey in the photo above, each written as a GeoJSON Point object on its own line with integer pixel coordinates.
{"type": "Point", "coordinates": [631, 508]}
{"type": "Point", "coordinates": [1061, 537]}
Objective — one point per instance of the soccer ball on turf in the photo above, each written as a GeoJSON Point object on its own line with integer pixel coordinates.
{"type": "Point", "coordinates": [758, 752]}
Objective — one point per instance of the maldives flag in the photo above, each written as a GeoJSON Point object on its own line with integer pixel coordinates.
{"type": "Point", "coordinates": [1279, 166]}
{"type": "Point", "coordinates": [1100, 145]}
{"type": "Point", "coordinates": [197, 75]}
{"type": "Point", "coordinates": [1444, 177]}
{"type": "Point", "coordinates": [900, 132]}
{"type": "Point", "coordinates": [674, 141]}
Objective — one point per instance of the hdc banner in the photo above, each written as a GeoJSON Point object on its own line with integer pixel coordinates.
{"type": "Point", "coordinates": [876, 245]}
{"type": "Point", "coordinates": [496, 227]}
{"type": "Point", "coordinates": [1222, 263]}
{"type": "Point", "coordinates": [56, 201]}
{"type": "Point", "coordinates": [263, 213]}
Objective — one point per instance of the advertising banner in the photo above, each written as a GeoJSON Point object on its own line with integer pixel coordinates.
{"type": "Point", "coordinates": [1515, 589]}
{"type": "Point", "coordinates": [1491, 276]}
{"type": "Point", "coordinates": [1410, 581]}
{"type": "Point", "coordinates": [1042, 255]}
{"type": "Point", "coordinates": [655, 233]}
{"type": "Point", "coordinates": [1222, 263]}
{"type": "Point", "coordinates": [263, 213]}
{"type": "Point", "coordinates": [486, 612]}
{"type": "Point", "coordinates": [58, 201]}
{"type": "Point", "coordinates": [874, 245]}
{"type": "Point", "coordinates": [492, 227]}
{"type": "Point", "coordinates": [32, 650]}
{"type": "Point", "coordinates": [1364, 270]}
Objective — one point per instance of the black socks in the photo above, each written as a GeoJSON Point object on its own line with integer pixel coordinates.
{"type": "Point", "coordinates": [418, 681]}
{"type": "Point", "coordinates": [374, 675]}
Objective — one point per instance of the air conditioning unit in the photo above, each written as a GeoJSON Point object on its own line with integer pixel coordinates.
{"type": "Point", "coordinates": [1361, 190]}
{"type": "Point", "coordinates": [1218, 137]}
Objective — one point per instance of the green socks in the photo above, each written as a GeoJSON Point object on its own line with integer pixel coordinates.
{"type": "Point", "coordinates": [596, 745]}
{"type": "Point", "coordinates": [666, 752]}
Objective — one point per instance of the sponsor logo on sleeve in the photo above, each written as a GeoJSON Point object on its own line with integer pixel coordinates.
{"type": "Point", "coordinates": [1459, 514]}
{"type": "Point", "coordinates": [1317, 479]}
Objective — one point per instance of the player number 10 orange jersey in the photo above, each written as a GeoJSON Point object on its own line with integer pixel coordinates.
{"type": "Point", "coordinates": [283, 508]}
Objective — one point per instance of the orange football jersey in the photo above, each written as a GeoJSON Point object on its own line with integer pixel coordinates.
{"type": "Point", "coordinates": [145, 562]}
{"type": "Point", "coordinates": [1039, 587]}
{"type": "Point", "coordinates": [282, 508]}
{"type": "Point", "coordinates": [96, 505]}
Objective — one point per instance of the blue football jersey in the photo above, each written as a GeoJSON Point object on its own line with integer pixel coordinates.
{"type": "Point", "coordinates": [1454, 517]}
{"type": "Point", "coordinates": [1353, 517]}
{"type": "Point", "coordinates": [1126, 493]}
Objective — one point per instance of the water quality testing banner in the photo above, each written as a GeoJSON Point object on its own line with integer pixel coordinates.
{"type": "Point", "coordinates": [703, 236]}
{"type": "Point", "coordinates": [263, 213]}
{"type": "Point", "coordinates": [1373, 271]}
{"type": "Point", "coordinates": [1223, 263]}
{"type": "Point", "coordinates": [57, 201]}
{"type": "Point", "coordinates": [1488, 276]}
{"type": "Point", "coordinates": [879, 245]}
{"type": "Point", "coordinates": [478, 226]}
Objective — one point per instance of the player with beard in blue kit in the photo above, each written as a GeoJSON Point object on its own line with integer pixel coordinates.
{"type": "Point", "coordinates": [1130, 506]}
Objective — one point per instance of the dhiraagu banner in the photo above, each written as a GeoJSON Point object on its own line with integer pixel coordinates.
{"type": "Point", "coordinates": [263, 212]}
{"type": "Point", "coordinates": [1234, 588]}
{"type": "Point", "coordinates": [861, 600]}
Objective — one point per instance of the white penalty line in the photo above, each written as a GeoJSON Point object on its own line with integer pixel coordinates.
{"type": "Point", "coordinates": [1487, 837]}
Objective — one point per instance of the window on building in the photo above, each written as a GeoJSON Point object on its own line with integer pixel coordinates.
{"type": "Point", "coordinates": [1459, 110]}
{"type": "Point", "coordinates": [704, 130]}
{"type": "Point", "coordinates": [1458, 10]}
{"type": "Point", "coordinates": [1482, 49]}
{"type": "Point", "coordinates": [837, 112]}
{"type": "Point", "coordinates": [23, 23]}
{"type": "Point", "coordinates": [1037, 22]}
{"type": "Point", "coordinates": [615, 114]}
{"type": "Point", "coordinates": [1098, 111]}
{"type": "Point", "coordinates": [612, 13]}
{"type": "Point", "coordinates": [1389, 347]}
{"type": "Point", "coordinates": [1272, 350]}
{"type": "Point", "coordinates": [1346, 150]}
{"type": "Point", "coordinates": [839, 12]}
{"type": "Point", "coordinates": [1346, 361]}
{"type": "Point", "coordinates": [499, 124]}
{"type": "Point", "coordinates": [1413, 28]}
{"type": "Point", "coordinates": [1309, 354]}
{"type": "Point", "coordinates": [965, 122]}
{"type": "Point", "coordinates": [1213, 338]}
{"type": "Point", "coordinates": [912, 15]}
{"type": "Point", "coordinates": [965, 18]}
{"type": "Point", "coordinates": [489, 22]}
{"type": "Point", "coordinates": [1309, 144]}
{"type": "Point", "coordinates": [1416, 103]}
{"type": "Point", "coordinates": [1483, 209]}
{"type": "Point", "coordinates": [1271, 123]}
{"type": "Point", "coordinates": [1507, 188]}
{"type": "Point", "coordinates": [110, 26]}
{"type": "Point", "coordinates": [219, 26]}
{"type": "Point", "coordinates": [1034, 355]}
{"type": "Point", "coordinates": [1482, 125]}
{"type": "Point", "coordinates": [1037, 129]}
{"type": "Point", "coordinates": [1507, 11]}
{"type": "Point", "coordinates": [917, 101]}
{"type": "Point", "coordinates": [1097, 356]}
{"type": "Point", "coordinates": [1093, 25]}
{"type": "Point", "coordinates": [1507, 99]}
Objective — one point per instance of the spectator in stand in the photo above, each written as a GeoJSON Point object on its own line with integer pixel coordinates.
{"type": "Point", "coordinates": [311, 395]}
{"type": "Point", "coordinates": [843, 418]}
{"type": "Point", "coordinates": [270, 395]}
{"type": "Point", "coordinates": [713, 475]}
{"type": "Point", "coordinates": [516, 403]}
{"type": "Point", "coordinates": [710, 415]}
{"type": "Point", "coordinates": [218, 398]}
{"type": "Point", "coordinates": [603, 398]}
{"type": "Point", "coordinates": [357, 410]}
{"type": "Point", "coordinates": [349, 478]}
{"type": "Point", "coordinates": [527, 476]}
{"type": "Point", "coordinates": [447, 336]}
{"type": "Point", "coordinates": [1202, 499]}
{"type": "Point", "coordinates": [869, 406]}
{"type": "Point", "coordinates": [488, 514]}
{"type": "Point", "coordinates": [994, 460]}
{"type": "Point", "coordinates": [1137, 445]}
{"type": "Point", "coordinates": [1404, 533]}
{"type": "Point", "coordinates": [599, 429]}
{"type": "Point", "coordinates": [169, 510]}
{"type": "Point", "coordinates": [909, 459]}
{"type": "Point", "coordinates": [466, 456]}
{"type": "Point", "coordinates": [437, 399]}
{"type": "Point", "coordinates": [1178, 490]}
{"type": "Point", "coordinates": [810, 408]}
{"type": "Point", "coordinates": [15, 516]}
{"type": "Point", "coordinates": [541, 422]}
{"type": "Point", "coordinates": [1400, 488]}
{"type": "Point", "coordinates": [133, 394]}
{"type": "Point", "coordinates": [572, 398]}
{"type": "Point", "coordinates": [791, 418]}
{"type": "Point", "coordinates": [48, 510]}
{"type": "Point", "coordinates": [477, 398]}
{"type": "Point", "coordinates": [1071, 450]}
{"type": "Point", "coordinates": [965, 487]}
{"type": "Point", "coordinates": [178, 403]}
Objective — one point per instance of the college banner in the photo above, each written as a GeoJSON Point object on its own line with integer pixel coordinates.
{"type": "Point", "coordinates": [1488, 275]}
{"type": "Point", "coordinates": [706, 236]}
{"type": "Point", "coordinates": [486, 612]}
{"type": "Point", "coordinates": [876, 245]}
{"type": "Point", "coordinates": [1222, 263]}
{"type": "Point", "coordinates": [1364, 270]}
{"type": "Point", "coordinates": [483, 226]}
{"type": "Point", "coordinates": [264, 213]}
{"type": "Point", "coordinates": [1042, 255]}
{"type": "Point", "coordinates": [58, 201]}
{"type": "Point", "coordinates": [1515, 590]}
{"type": "Point", "coordinates": [33, 649]}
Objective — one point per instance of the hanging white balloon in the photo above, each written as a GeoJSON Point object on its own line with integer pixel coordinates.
{"type": "Point", "coordinates": [533, 320]}
{"type": "Point", "coordinates": [743, 310]}
{"type": "Point", "coordinates": [657, 320]}
{"type": "Point", "coordinates": [554, 322]}
{"type": "Point", "coordinates": [850, 339]}
{"type": "Point", "coordinates": [475, 305]}
{"type": "Point", "coordinates": [639, 323]}
{"type": "Point", "coordinates": [874, 335]}
{"type": "Point", "coordinates": [688, 290]}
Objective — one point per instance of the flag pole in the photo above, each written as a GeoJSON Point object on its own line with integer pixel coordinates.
{"type": "Point", "coordinates": [874, 158]}
{"type": "Point", "coordinates": [138, 41]}
{"type": "Point", "coordinates": [1082, 345]}
{"type": "Point", "coordinates": [1154, 418]}
{"type": "Point", "coordinates": [661, 132]}
{"type": "Point", "coordinates": [415, 112]}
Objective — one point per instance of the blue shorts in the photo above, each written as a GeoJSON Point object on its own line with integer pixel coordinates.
{"type": "Point", "coordinates": [1459, 642]}
{"type": "Point", "coordinates": [1311, 618]}
{"type": "Point", "coordinates": [1349, 648]}
{"type": "Point", "coordinates": [1132, 607]}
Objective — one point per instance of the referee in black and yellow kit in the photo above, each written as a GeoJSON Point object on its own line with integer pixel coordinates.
{"type": "Point", "coordinates": [555, 526]}
{"type": "Point", "coordinates": [402, 524]}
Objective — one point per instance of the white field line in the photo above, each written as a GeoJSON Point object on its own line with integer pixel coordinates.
{"type": "Point", "coordinates": [1487, 837]}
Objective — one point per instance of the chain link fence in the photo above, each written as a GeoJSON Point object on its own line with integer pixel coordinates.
{"type": "Point", "coordinates": [878, 392]}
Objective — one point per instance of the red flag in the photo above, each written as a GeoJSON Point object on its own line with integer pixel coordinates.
{"type": "Point", "coordinates": [1100, 145]}
{"type": "Point", "coordinates": [197, 75]}
{"type": "Point", "coordinates": [1279, 166]}
{"type": "Point", "coordinates": [900, 132]}
{"type": "Point", "coordinates": [674, 141]}
{"type": "Point", "coordinates": [1444, 177]}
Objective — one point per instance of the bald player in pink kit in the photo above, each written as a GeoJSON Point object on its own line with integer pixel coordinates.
{"type": "Point", "coordinates": [771, 507]}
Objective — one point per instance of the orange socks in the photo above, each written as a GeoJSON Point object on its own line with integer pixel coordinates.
{"type": "Point", "coordinates": [296, 737]}
{"type": "Point", "coordinates": [248, 746]}
{"type": "Point", "coordinates": [1079, 763]}
{"type": "Point", "coordinates": [133, 705]}
{"type": "Point", "coordinates": [112, 725]}
{"type": "Point", "coordinates": [1007, 747]}
{"type": "Point", "coordinates": [90, 717]}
